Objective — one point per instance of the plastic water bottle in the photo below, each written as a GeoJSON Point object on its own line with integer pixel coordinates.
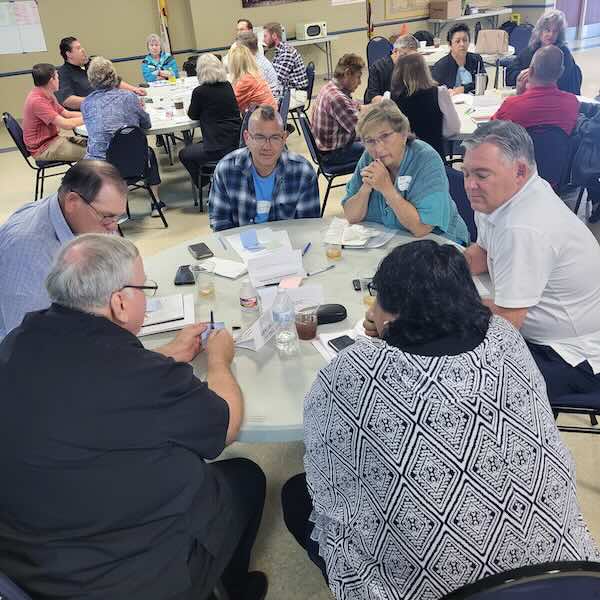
{"type": "Point", "coordinates": [248, 297]}
{"type": "Point", "coordinates": [286, 339]}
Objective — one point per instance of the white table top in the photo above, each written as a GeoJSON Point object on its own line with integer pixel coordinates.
{"type": "Point", "coordinates": [319, 40]}
{"type": "Point", "coordinates": [432, 55]}
{"type": "Point", "coordinates": [480, 15]}
{"type": "Point", "coordinates": [273, 388]}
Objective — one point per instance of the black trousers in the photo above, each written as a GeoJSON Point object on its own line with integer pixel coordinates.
{"type": "Point", "coordinates": [194, 157]}
{"type": "Point", "coordinates": [248, 484]}
{"type": "Point", "coordinates": [153, 178]}
{"type": "Point", "coordinates": [297, 506]}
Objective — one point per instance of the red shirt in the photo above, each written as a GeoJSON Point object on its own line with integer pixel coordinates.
{"type": "Point", "coordinates": [541, 105]}
{"type": "Point", "coordinates": [38, 113]}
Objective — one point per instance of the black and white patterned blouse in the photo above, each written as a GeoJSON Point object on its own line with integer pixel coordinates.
{"type": "Point", "coordinates": [430, 472]}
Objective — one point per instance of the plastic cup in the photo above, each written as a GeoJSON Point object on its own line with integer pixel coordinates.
{"type": "Point", "coordinates": [368, 295]}
{"type": "Point", "coordinates": [423, 44]}
{"type": "Point", "coordinates": [306, 322]}
{"type": "Point", "coordinates": [205, 282]}
{"type": "Point", "coordinates": [436, 42]}
{"type": "Point", "coordinates": [333, 251]}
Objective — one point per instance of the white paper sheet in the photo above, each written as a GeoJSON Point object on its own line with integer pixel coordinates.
{"type": "Point", "coordinates": [188, 319]}
{"type": "Point", "coordinates": [225, 267]}
{"type": "Point", "coordinates": [325, 350]}
{"type": "Point", "coordinates": [365, 235]}
{"type": "Point", "coordinates": [303, 296]}
{"type": "Point", "coordinates": [164, 309]}
{"type": "Point", "coordinates": [258, 334]}
{"type": "Point", "coordinates": [273, 241]}
{"type": "Point", "coordinates": [272, 267]}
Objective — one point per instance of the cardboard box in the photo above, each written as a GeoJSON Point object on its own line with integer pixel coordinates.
{"type": "Point", "coordinates": [445, 9]}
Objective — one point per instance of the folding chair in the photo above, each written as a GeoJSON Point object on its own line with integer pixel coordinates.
{"type": "Point", "coordinates": [295, 112]}
{"type": "Point", "coordinates": [378, 47]}
{"type": "Point", "coordinates": [284, 106]}
{"type": "Point", "coordinates": [552, 153]}
{"type": "Point", "coordinates": [456, 182]}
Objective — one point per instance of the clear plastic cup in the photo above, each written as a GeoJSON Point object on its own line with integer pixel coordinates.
{"type": "Point", "coordinates": [333, 251]}
{"type": "Point", "coordinates": [205, 282]}
{"type": "Point", "coordinates": [368, 293]}
{"type": "Point", "coordinates": [306, 322]}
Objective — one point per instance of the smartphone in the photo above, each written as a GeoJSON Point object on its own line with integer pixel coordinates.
{"type": "Point", "coordinates": [356, 285]}
{"type": "Point", "coordinates": [184, 276]}
{"type": "Point", "coordinates": [200, 251]}
{"type": "Point", "coordinates": [339, 343]}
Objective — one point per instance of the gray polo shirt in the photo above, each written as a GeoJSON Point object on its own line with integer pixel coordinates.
{"type": "Point", "coordinates": [29, 241]}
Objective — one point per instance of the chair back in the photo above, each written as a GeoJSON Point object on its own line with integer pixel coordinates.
{"type": "Point", "coordinates": [424, 36]}
{"type": "Point", "coordinates": [309, 138]}
{"type": "Point", "coordinates": [456, 182]}
{"type": "Point", "coordinates": [128, 151]}
{"type": "Point", "coordinates": [10, 590]}
{"type": "Point", "coordinates": [550, 581]}
{"type": "Point", "coordinates": [284, 106]}
{"type": "Point", "coordinates": [378, 47]}
{"type": "Point", "coordinates": [519, 37]}
{"type": "Point", "coordinates": [552, 156]}
{"type": "Point", "coordinates": [310, 76]}
{"type": "Point", "coordinates": [16, 133]}
{"type": "Point", "coordinates": [244, 126]}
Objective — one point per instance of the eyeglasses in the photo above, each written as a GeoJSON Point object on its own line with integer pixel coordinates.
{"type": "Point", "coordinates": [382, 139]}
{"type": "Point", "coordinates": [104, 219]}
{"type": "Point", "coordinates": [372, 289]}
{"type": "Point", "coordinates": [261, 140]}
{"type": "Point", "coordinates": [149, 288]}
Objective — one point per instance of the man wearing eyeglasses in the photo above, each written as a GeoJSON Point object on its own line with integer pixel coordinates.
{"type": "Point", "coordinates": [91, 199]}
{"type": "Point", "coordinates": [262, 182]}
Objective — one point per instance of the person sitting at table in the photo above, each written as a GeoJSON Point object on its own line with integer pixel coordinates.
{"type": "Point", "coordinates": [213, 103]}
{"type": "Point", "coordinates": [158, 64]}
{"type": "Point", "coordinates": [43, 117]}
{"type": "Point", "coordinates": [550, 30]}
{"type": "Point", "coordinates": [543, 261]}
{"type": "Point", "coordinates": [400, 181]}
{"type": "Point", "coordinates": [380, 72]}
{"type": "Point", "coordinates": [264, 181]}
{"type": "Point", "coordinates": [74, 84]}
{"type": "Point", "coordinates": [411, 445]}
{"type": "Point", "coordinates": [120, 447]}
{"type": "Point", "coordinates": [91, 198]}
{"type": "Point", "coordinates": [538, 100]}
{"type": "Point", "coordinates": [249, 39]}
{"type": "Point", "coordinates": [429, 108]}
{"type": "Point", "coordinates": [248, 84]}
{"type": "Point", "coordinates": [457, 70]}
{"type": "Point", "coordinates": [335, 114]}
{"type": "Point", "coordinates": [109, 108]}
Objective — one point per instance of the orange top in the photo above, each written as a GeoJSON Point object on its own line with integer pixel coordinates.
{"type": "Point", "coordinates": [253, 90]}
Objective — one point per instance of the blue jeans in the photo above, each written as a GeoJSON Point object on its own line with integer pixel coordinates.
{"type": "Point", "coordinates": [348, 154]}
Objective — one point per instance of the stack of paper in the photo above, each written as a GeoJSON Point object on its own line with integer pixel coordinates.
{"type": "Point", "coordinates": [271, 267]}
{"type": "Point", "coordinates": [169, 310]}
{"type": "Point", "coordinates": [267, 242]}
{"type": "Point", "coordinates": [356, 236]}
{"type": "Point", "coordinates": [224, 267]}
{"type": "Point", "coordinates": [321, 343]}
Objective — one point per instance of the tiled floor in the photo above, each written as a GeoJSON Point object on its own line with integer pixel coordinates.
{"type": "Point", "coordinates": [291, 575]}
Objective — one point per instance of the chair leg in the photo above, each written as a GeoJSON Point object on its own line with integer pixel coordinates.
{"type": "Point", "coordinates": [296, 124]}
{"type": "Point", "coordinates": [167, 141]}
{"type": "Point", "coordinates": [37, 184]}
{"type": "Point", "coordinates": [120, 231]}
{"type": "Point", "coordinates": [579, 197]}
{"type": "Point", "coordinates": [593, 420]}
{"type": "Point", "coordinates": [127, 209]}
{"type": "Point", "coordinates": [195, 188]}
{"type": "Point", "coordinates": [156, 205]}
{"type": "Point", "coordinates": [329, 182]}
{"type": "Point", "coordinates": [43, 174]}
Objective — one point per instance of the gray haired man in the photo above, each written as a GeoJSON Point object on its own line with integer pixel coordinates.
{"type": "Point", "coordinates": [544, 262]}
{"type": "Point", "coordinates": [103, 447]}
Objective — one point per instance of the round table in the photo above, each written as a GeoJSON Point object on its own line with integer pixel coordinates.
{"type": "Point", "coordinates": [273, 387]}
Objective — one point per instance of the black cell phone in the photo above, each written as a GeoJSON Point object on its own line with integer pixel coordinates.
{"type": "Point", "coordinates": [356, 285]}
{"type": "Point", "coordinates": [200, 251]}
{"type": "Point", "coordinates": [184, 276]}
{"type": "Point", "coordinates": [339, 343]}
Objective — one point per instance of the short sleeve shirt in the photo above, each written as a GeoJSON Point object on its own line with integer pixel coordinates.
{"type": "Point", "coordinates": [39, 112]}
{"type": "Point", "coordinates": [73, 81]}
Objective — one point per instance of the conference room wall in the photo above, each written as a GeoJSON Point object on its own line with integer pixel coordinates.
{"type": "Point", "coordinates": [111, 28]}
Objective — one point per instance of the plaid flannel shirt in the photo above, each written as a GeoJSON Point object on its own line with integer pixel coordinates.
{"type": "Point", "coordinates": [232, 201]}
{"type": "Point", "coordinates": [289, 67]}
{"type": "Point", "coordinates": [334, 118]}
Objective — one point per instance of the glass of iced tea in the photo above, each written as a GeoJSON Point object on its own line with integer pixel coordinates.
{"type": "Point", "coordinates": [333, 251]}
{"type": "Point", "coordinates": [205, 282]}
{"type": "Point", "coordinates": [368, 292]}
{"type": "Point", "coordinates": [306, 322]}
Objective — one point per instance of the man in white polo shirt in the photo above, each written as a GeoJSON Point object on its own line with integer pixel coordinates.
{"type": "Point", "coordinates": [544, 262]}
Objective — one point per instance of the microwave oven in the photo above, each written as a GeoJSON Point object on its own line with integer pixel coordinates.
{"type": "Point", "coordinates": [308, 31]}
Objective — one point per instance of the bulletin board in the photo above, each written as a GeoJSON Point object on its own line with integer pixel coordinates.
{"type": "Point", "coordinates": [406, 9]}
{"type": "Point", "coordinates": [20, 27]}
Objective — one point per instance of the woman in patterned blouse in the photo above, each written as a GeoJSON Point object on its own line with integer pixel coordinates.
{"type": "Point", "coordinates": [432, 457]}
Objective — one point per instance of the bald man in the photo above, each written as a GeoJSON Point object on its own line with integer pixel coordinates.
{"type": "Point", "coordinates": [538, 100]}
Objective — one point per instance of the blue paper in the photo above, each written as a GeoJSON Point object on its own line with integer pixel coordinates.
{"type": "Point", "coordinates": [249, 239]}
{"type": "Point", "coordinates": [207, 332]}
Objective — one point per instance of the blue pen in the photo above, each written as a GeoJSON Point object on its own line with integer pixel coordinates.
{"type": "Point", "coordinates": [306, 248]}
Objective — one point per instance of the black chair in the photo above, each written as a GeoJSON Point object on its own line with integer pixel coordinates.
{"type": "Point", "coordinates": [284, 106]}
{"type": "Point", "coordinates": [329, 172]}
{"type": "Point", "coordinates": [587, 404]}
{"type": "Point", "coordinates": [548, 581]}
{"type": "Point", "coordinates": [456, 181]}
{"type": "Point", "coordinates": [10, 590]}
{"type": "Point", "coordinates": [39, 166]}
{"type": "Point", "coordinates": [295, 112]}
{"type": "Point", "coordinates": [128, 151]}
{"type": "Point", "coordinates": [244, 127]}
{"type": "Point", "coordinates": [424, 36]}
{"type": "Point", "coordinates": [378, 47]}
{"type": "Point", "coordinates": [552, 154]}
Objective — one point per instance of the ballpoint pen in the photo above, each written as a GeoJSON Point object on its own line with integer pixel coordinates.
{"type": "Point", "coordinates": [212, 320]}
{"type": "Point", "coordinates": [321, 270]}
{"type": "Point", "coordinates": [306, 248]}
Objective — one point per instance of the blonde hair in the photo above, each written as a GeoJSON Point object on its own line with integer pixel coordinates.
{"type": "Point", "coordinates": [153, 38]}
{"type": "Point", "coordinates": [411, 75]}
{"type": "Point", "coordinates": [240, 62]}
{"type": "Point", "coordinates": [385, 112]}
{"type": "Point", "coordinates": [210, 69]}
{"type": "Point", "coordinates": [102, 75]}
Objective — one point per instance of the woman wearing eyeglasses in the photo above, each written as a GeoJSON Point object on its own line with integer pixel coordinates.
{"type": "Point", "coordinates": [400, 181]}
{"type": "Point", "coordinates": [432, 457]}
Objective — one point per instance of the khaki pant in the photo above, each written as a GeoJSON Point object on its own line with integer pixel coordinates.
{"type": "Point", "coordinates": [64, 148]}
{"type": "Point", "coordinates": [297, 98]}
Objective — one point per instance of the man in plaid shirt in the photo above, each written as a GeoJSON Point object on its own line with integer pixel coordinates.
{"type": "Point", "coordinates": [335, 113]}
{"type": "Point", "coordinates": [288, 65]}
{"type": "Point", "coordinates": [262, 182]}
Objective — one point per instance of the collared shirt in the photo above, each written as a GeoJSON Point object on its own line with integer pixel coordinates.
{"type": "Point", "coordinates": [430, 472]}
{"type": "Point", "coordinates": [380, 78]}
{"type": "Point", "coordinates": [289, 66]}
{"type": "Point", "coordinates": [232, 201]}
{"type": "Point", "coordinates": [39, 113]}
{"type": "Point", "coordinates": [105, 111]}
{"type": "Point", "coordinates": [541, 105]}
{"type": "Point", "coordinates": [106, 493]}
{"type": "Point", "coordinates": [334, 117]}
{"type": "Point", "coordinates": [29, 241]}
{"type": "Point", "coordinates": [269, 74]}
{"type": "Point", "coordinates": [73, 81]}
{"type": "Point", "coordinates": [540, 256]}
{"type": "Point", "coordinates": [151, 66]}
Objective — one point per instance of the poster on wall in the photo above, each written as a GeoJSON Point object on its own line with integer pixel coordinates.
{"type": "Point", "coordinates": [259, 3]}
{"type": "Point", "coordinates": [403, 9]}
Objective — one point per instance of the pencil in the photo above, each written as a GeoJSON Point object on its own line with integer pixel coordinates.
{"type": "Point", "coordinates": [212, 320]}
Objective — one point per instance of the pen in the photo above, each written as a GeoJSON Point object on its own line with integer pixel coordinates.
{"type": "Point", "coordinates": [321, 270]}
{"type": "Point", "coordinates": [222, 242]}
{"type": "Point", "coordinates": [306, 248]}
{"type": "Point", "coordinates": [212, 320]}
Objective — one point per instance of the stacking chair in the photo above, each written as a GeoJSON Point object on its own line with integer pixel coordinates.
{"type": "Point", "coordinates": [547, 581]}
{"type": "Point", "coordinates": [378, 47]}
{"type": "Point", "coordinates": [552, 154]}
{"type": "Point", "coordinates": [39, 166]}
{"type": "Point", "coordinates": [456, 182]}
{"type": "Point", "coordinates": [587, 404]}
{"type": "Point", "coordinates": [295, 112]}
{"type": "Point", "coordinates": [128, 151]}
{"type": "Point", "coordinates": [329, 172]}
{"type": "Point", "coordinates": [10, 590]}
{"type": "Point", "coordinates": [284, 106]}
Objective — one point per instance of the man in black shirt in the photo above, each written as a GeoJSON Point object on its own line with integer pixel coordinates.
{"type": "Point", "coordinates": [105, 488]}
{"type": "Point", "coordinates": [380, 72]}
{"type": "Point", "coordinates": [73, 81]}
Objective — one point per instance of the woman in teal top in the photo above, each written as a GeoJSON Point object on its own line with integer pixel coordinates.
{"type": "Point", "coordinates": [400, 181]}
{"type": "Point", "coordinates": [158, 64]}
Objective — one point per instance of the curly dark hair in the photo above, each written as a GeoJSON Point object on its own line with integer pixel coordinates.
{"type": "Point", "coordinates": [457, 29]}
{"type": "Point", "coordinates": [430, 288]}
